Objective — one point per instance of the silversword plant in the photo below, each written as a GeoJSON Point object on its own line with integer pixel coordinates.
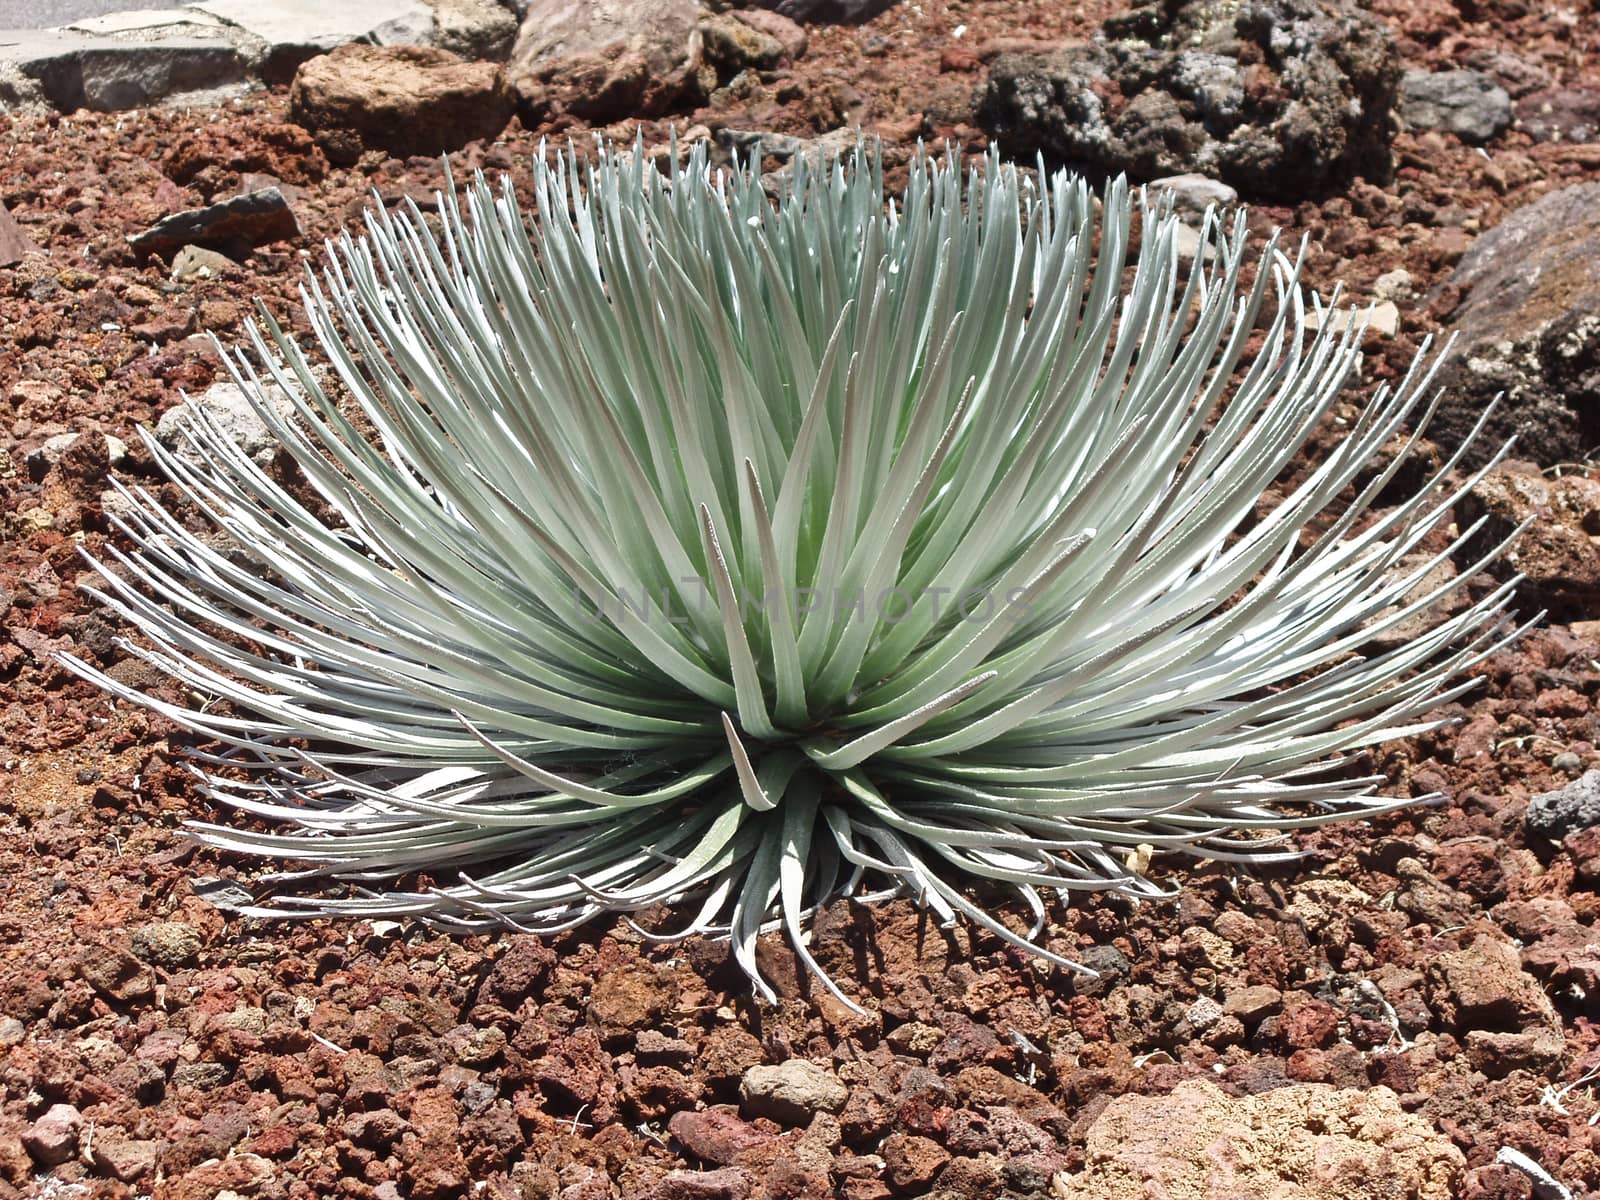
{"type": "Point", "coordinates": [738, 555]}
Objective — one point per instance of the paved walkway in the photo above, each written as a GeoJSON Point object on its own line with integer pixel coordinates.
{"type": "Point", "coordinates": [43, 14]}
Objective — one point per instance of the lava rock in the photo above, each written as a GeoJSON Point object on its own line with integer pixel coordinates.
{"type": "Point", "coordinates": [1301, 1142]}
{"type": "Point", "coordinates": [115, 973]}
{"type": "Point", "coordinates": [726, 1183]}
{"type": "Point", "coordinates": [226, 405]}
{"type": "Point", "coordinates": [911, 1163]}
{"type": "Point", "coordinates": [717, 1135]}
{"type": "Point", "coordinates": [1193, 194]}
{"type": "Point", "coordinates": [518, 972]}
{"type": "Point", "coordinates": [196, 262]}
{"type": "Point", "coordinates": [1279, 98]}
{"type": "Point", "coordinates": [113, 451]}
{"type": "Point", "coordinates": [1556, 814]}
{"type": "Point", "coordinates": [1498, 1009]}
{"type": "Point", "coordinates": [631, 996]}
{"type": "Point", "coordinates": [604, 62]}
{"type": "Point", "coordinates": [169, 944]}
{"type": "Point", "coordinates": [730, 45]}
{"type": "Point", "coordinates": [1468, 104]}
{"type": "Point", "coordinates": [1527, 328]}
{"type": "Point", "coordinates": [1556, 554]}
{"type": "Point", "coordinates": [828, 12]}
{"type": "Point", "coordinates": [124, 1158]}
{"type": "Point", "coordinates": [402, 100]}
{"type": "Point", "coordinates": [15, 244]}
{"type": "Point", "coordinates": [53, 1138]}
{"type": "Point", "coordinates": [69, 69]}
{"type": "Point", "coordinates": [1568, 114]}
{"type": "Point", "coordinates": [286, 33]}
{"type": "Point", "coordinates": [791, 1092]}
{"type": "Point", "coordinates": [233, 226]}
{"type": "Point", "coordinates": [475, 29]}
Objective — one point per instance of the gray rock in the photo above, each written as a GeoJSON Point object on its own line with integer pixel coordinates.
{"type": "Point", "coordinates": [1567, 114]}
{"type": "Point", "coordinates": [791, 1092]}
{"type": "Point", "coordinates": [792, 36]}
{"type": "Point", "coordinates": [1553, 815]}
{"type": "Point", "coordinates": [1529, 328]}
{"type": "Point", "coordinates": [602, 60]}
{"type": "Point", "coordinates": [786, 148]}
{"type": "Point", "coordinates": [1194, 194]}
{"type": "Point", "coordinates": [225, 404]}
{"type": "Point", "coordinates": [475, 29]}
{"type": "Point", "coordinates": [202, 1076]}
{"type": "Point", "coordinates": [729, 45]}
{"type": "Point", "coordinates": [285, 33]}
{"type": "Point", "coordinates": [53, 1138]}
{"type": "Point", "coordinates": [237, 224]}
{"type": "Point", "coordinates": [196, 262]}
{"type": "Point", "coordinates": [1518, 75]}
{"type": "Point", "coordinates": [1468, 104]}
{"type": "Point", "coordinates": [168, 944]}
{"type": "Point", "coordinates": [1166, 91]}
{"type": "Point", "coordinates": [828, 12]}
{"type": "Point", "coordinates": [12, 1031]}
{"type": "Point", "coordinates": [70, 70]}
{"type": "Point", "coordinates": [1108, 964]}
{"type": "Point", "coordinates": [148, 23]}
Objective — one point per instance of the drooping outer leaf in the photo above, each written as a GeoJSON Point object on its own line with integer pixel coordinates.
{"type": "Point", "coordinates": [697, 548]}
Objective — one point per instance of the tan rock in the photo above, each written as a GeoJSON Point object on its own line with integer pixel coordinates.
{"type": "Point", "coordinates": [602, 60]}
{"type": "Point", "coordinates": [1308, 1142]}
{"type": "Point", "coordinates": [1560, 551]}
{"type": "Point", "coordinates": [402, 100]}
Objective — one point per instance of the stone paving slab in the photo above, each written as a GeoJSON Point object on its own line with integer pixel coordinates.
{"type": "Point", "coordinates": [70, 70]}
{"type": "Point", "coordinates": [288, 32]}
{"type": "Point", "coordinates": [129, 59]}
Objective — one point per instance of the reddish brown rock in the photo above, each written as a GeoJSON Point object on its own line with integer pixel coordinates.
{"type": "Point", "coordinates": [123, 1158]}
{"type": "Point", "coordinates": [243, 1174]}
{"type": "Point", "coordinates": [728, 1183]}
{"type": "Point", "coordinates": [577, 1072]}
{"type": "Point", "coordinates": [218, 153]}
{"type": "Point", "coordinates": [717, 1135]}
{"type": "Point", "coordinates": [15, 244]}
{"type": "Point", "coordinates": [115, 973]}
{"type": "Point", "coordinates": [911, 1163]}
{"type": "Point", "coordinates": [431, 1153]}
{"type": "Point", "coordinates": [403, 100]}
{"type": "Point", "coordinates": [604, 62]}
{"type": "Point", "coordinates": [1497, 1008]}
{"type": "Point", "coordinates": [630, 997]}
{"type": "Point", "coordinates": [53, 1138]}
{"type": "Point", "coordinates": [233, 226]}
{"type": "Point", "coordinates": [522, 967]}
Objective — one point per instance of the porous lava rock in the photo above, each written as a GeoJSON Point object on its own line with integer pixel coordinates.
{"type": "Point", "coordinates": [1305, 1142]}
{"type": "Point", "coordinates": [1279, 98]}
{"type": "Point", "coordinates": [605, 60]}
{"type": "Point", "coordinates": [1528, 330]}
{"type": "Point", "coordinates": [403, 100]}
